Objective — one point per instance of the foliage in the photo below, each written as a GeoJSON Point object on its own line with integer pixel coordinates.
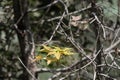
{"type": "Point", "coordinates": [66, 48]}
{"type": "Point", "coordinates": [53, 53]}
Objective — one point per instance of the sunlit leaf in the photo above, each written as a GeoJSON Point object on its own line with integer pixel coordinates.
{"type": "Point", "coordinates": [57, 55]}
{"type": "Point", "coordinates": [56, 52]}
{"type": "Point", "coordinates": [37, 58]}
{"type": "Point", "coordinates": [50, 60]}
{"type": "Point", "coordinates": [67, 51]}
{"type": "Point", "coordinates": [46, 49]}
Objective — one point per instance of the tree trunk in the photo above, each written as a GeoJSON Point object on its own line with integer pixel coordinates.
{"type": "Point", "coordinates": [25, 38]}
{"type": "Point", "coordinates": [95, 10]}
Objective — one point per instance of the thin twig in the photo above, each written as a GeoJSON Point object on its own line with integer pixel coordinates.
{"type": "Point", "coordinates": [107, 76]}
{"type": "Point", "coordinates": [71, 13]}
{"type": "Point", "coordinates": [46, 6]}
{"type": "Point", "coordinates": [92, 60]}
{"type": "Point", "coordinates": [95, 73]}
{"type": "Point", "coordinates": [26, 68]}
{"type": "Point", "coordinates": [99, 22]}
{"type": "Point", "coordinates": [112, 46]}
{"type": "Point", "coordinates": [116, 35]}
{"type": "Point", "coordinates": [58, 25]}
{"type": "Point", "coordinates": [55, 76]}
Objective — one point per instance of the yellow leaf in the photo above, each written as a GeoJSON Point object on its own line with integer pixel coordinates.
{"type": "Point", "coordinates": [57, 49]}
{"type": "Point", "coordinates": [56, 52]}
{"type": "Point", "coordinates": [49, 60]}
{"type": "Point", "coordinates": [37, 58]}
{"type": "Point", "coordinates": [57, 55]}
{"type": "Point", "coordinates": [50, 53]}
{"type": "Point", "coordinates": [67, 51]}
{"type": "Point", "coordinates": [46, 49]}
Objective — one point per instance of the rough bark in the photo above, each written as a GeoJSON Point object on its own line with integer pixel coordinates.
{"type": "Point", "coordinates": [25, 38]}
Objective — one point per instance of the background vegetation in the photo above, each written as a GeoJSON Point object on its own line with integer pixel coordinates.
{"type": "Point", "coordinates": [59, 39]}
